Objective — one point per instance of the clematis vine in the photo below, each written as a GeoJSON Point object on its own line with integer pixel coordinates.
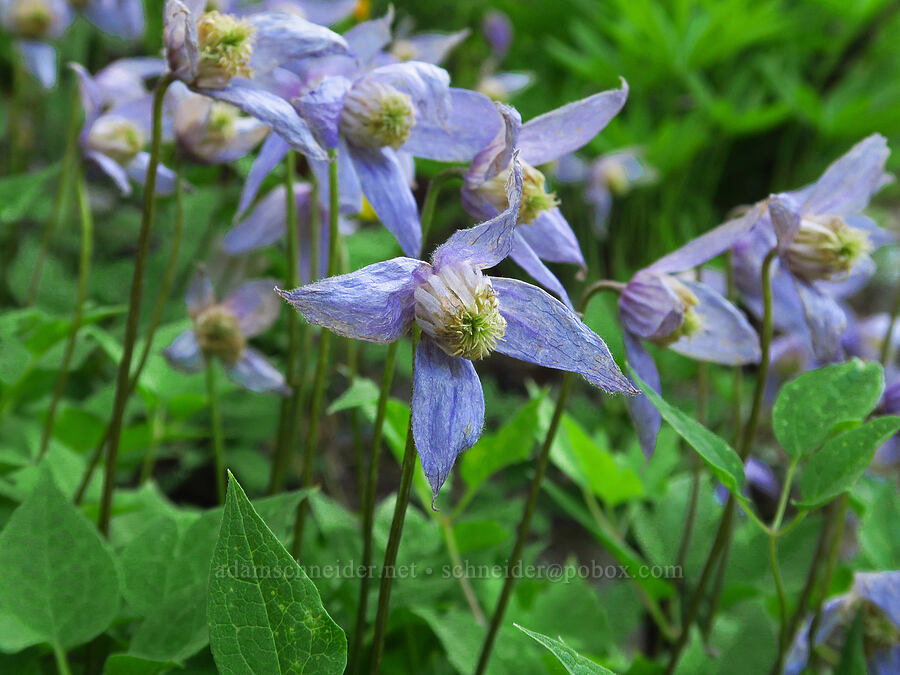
{"type": "Point", "coordinates": [114, 135]}
{"type": "Point", "coordinates": [221, 330]}
{"type": "Point", "coordinates": [227, 58]}
{"type": "Point", "coordinates": [822, 237]}
{"type": "Point", "coordinates": [543, 233]}
{"type": "Point", "coordinates": [464, 316]}
{"type": "Point", "coordinates": [35, 24]}
{"type": "Point", "coordinates": [877, 596]}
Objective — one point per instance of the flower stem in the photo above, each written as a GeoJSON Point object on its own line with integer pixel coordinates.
{"type": "Point", "coordinates": [84, 270]}
{"type": "Point", "coordinates": [434, 189]}
{"type": "Point", "coordinates": [407, 469]}
{"type": "Point", "coordinates": [157, 427]}
{"type": "Point", "coordinates": [889, 334]}
{"type": "Point", "coordinates": [134, 307]}
{"type": "Point", "coordinates": [215, 421]}
{"type": "Point", "coordinates": [61, 198]}
{"type": "Point", "coordinates": [62, 661]}
{"type": "Point", "coordinates": [318, 393]}
{"type": "Point", "coordinates": [14, 123]}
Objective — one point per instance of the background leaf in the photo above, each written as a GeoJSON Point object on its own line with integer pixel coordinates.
{"type": "Point", "coordinates": [574, 663]}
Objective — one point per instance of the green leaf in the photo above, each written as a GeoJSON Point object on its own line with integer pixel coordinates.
{"type": "Point", "coordinates": [362, 391]}
{"type": "Point", "coordinates": [718, 455]}
{"type": "Point", "coordinates": [603, 476]}
{"type": "Point", "coordinates": [265, 615]}
{"type": "Point", "coordinates": [18, 192]}
{"type": "Point", "coordinates": [837, 466]}
{"type": "Point", "coordinates": [808, 407]}
{"type": "Point", "coordinates": [128, 664]}
{"type": "Point", "coordinates": [574, 663]}
{"type": "Point", "coordinates": [59, 577]}
{"type": "Point", "coordinates": [853, 654]}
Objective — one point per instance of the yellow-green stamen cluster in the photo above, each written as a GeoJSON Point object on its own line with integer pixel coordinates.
{"type": "Point", "coordinates": [221, 122]}
{"type": "Point", "coordinates": [377, 115]}
{"type": "Point", "coordinates": [226, 45]}
{"type": "Point", "coordinates": [404, 50]}
{"type": "Point", "coordinates": [31, 18]}
{"type": "Point", "coordinates": [826, 247]}
{"type": "Point", "coordinates": [459, 309]}
{"type": "Point", "coordinates": [691, 321]}
{"type": "Point", "coordinates": [535, 198]}
{"type": "Point", "coordinates": [218, 334]}
{"type": "Point", "coordinates": [116, 137]}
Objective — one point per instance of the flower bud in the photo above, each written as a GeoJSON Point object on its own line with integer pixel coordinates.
{"type": "Point", "coordinates": [458, 308]}
{"type": "Point", "coordinates": [31, 19]}
{"type": "Point", "coordinates": [226, 44]}
{"type": "Point", "coordinates": [826, 247]}
{"type": "Point", "coordinates": [116, 137]}
{"type": "Point", "coordinates": [535, 198]}
{"type": "Point", "coordinates": [377, 115]}
{"type": "Point", "coordinates": [218, 334]}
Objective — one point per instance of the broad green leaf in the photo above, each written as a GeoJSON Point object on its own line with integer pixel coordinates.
{"type": "Point", "coordinates": [14, 636]}
{"type": "Point", "coordinates": [603, 476]}
{"type": "Point", "coordinates": [362, 391]}
{"type": "Point", "coordinates": [837, 466]}
{"type": "Point", "coordinates": [18, 192]}
{"type": "Point", "coordinates": [809, 407]}
{"type": "Point", "coordinates": [59, 579]}
{"type": "Point", "coordinates": [265, 615]}
{"type": "Point", "coordinates": [128, 664]}
{"type": "Point", "coordinates": [475, 535]}
{"type": "Point", "coordinates": [853, 654]}
{"type": "Point", "coordinates": [574, 663]}
{"type": "Point", "coordinates": [718, 455]}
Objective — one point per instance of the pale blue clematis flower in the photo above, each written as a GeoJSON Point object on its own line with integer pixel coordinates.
{"type": "Point", "coordinates": [117, 126]}
{"type": "Point", "coordinates": [221, 331]}
{"type": "Point", "coordinates": [499, 86]}
{"type": "Point", "coordinates": [322, 12]}
{"type": "Point", "coordinates": [822, 238]}
{"type": "Point", "coordinates": [877, 595]}
{"type": "Point", "coordinates": [543, 233]}
{"type": "Point", "coordinates": [35, 24]}
{"type": "Point", "coordinates": [227, 58]}
{"type": "Point", "coordinates": [122, 18]}
{"type": "Point", "coordinates": [426, 47]}
{"type": "Point", "coordinates": [464, 316]}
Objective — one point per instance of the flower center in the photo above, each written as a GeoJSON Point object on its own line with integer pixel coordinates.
{"type": "Point", "coordinates": [404, 50]}
{"type": "Point", "coordinates": [691, 321]}
{"type": "Point", "coordinates": [32, 18]}
{"type": "Point", "coordinates": [616, 178]}
{"type": "Point", "coordinates": [226, 44]}
{"type": "Point", "coordinates": [377, 115]}
{"type": "Point", "coordinates": [535, 198]}
{"type": "Point", "coordinates": [221, 122]}
{"type": "Point", "coordinates": [218, 334]}
{"type": "Point", "coordinates": [116, 137]}
{"type": "Point", "coordinates": [459, 309]}
{"type": "Point", "coordinates": [826, 247]}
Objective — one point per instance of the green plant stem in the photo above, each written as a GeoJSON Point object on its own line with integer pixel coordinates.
{"type": "Point", "coordinates": [779, 588]}
{"type": "Point", "coordinates": [889, 333]}
{"type": "Point", "coordinates": [722, 541]}
{"type": "Point", "coordinates": [407, 468]}
{"type": "Point", "coordinates": [839, 520]}
{"type": "Point", "coordinates": [14, 122]}
{"type": "Point", "coordinates": [318, 393]}
{"type": "Point", "coordinates": [134, 307]}
{"type": "Point", "coordinates": [156, 432]}
{"type": "Point", "coordinates": [84, 271]}
{"type": "Point", "coordinates": [434, 189]}
{"type": "Point", "coordinates": [155, 318]}
{"type": "Point", "coordinates": [737, 382]}
{"type": "Point", "coordinates": [215, 422]}
{"type": "Point", "coordinates": [61, 198]}
{"type": "Point", "coordinates": [62, 661]}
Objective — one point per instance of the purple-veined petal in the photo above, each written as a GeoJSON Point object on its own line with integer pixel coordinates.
{"type": "Point", "coordinates": [200, 294]}
{"type": "Point", "coordinates": [248, 133]}
{"type": "Point", "coordinates": [255, 306]}
{"type": "Point", "coordinates": [40, 60]}
{"type": "Point", "coordinates": [322, 107]}
{"type": "Point", "coordinates": [570, 127]}
{"type": "Point", "coordinates": [384, 184]}
{"type": "Point", "coordinates": [430, 47]}
{"type": "Point", "coordinates": [368, 38]}
{"type": "Point", "coordinates": [882, 589]}
{"type": "Point", "coordinates": [374, 304]}
{"type": "Point", "coordinates": [349, 189]}
{"type": "Point", "coordinates": [785, 221]}
{"type": "Point", "coordinates": [281, 37]}
{"type": "Point", "coordinates": [111, 168]}
{"type": "Point", "coordinates": [878, 236]}
{"type": "Point", "coordinates": [447, 410]}
{"type": "Point", "coordinates": [427, 85]}
{"type": "Point", "coordinates": [256, 374]}
{"type": "Point", "coordinates": [267, 222]}
{"type": "Point", "coordinates": [325, 12]}
{"type": "Point", "coordinates": [184, 353]}
{"type": "Point", "coordinates": [165, 177]}
{"type": "Point", "coordinates": [725, 336]}
{"type": "Point", "coordinates": [91, 95]}
{"type": "Point", "coordinates": [648, 307]}
{"type": "Point", "coordinates": [273, 111]}
{"type": "Point", "coordinates": [123, 18]}
{"type": "Point", "coordinates": [270, 155]}
{"type": "Point", "coordinates": [542, 330]}
{"type": "Point", "coordinates": [491, 160]}
{"type": "Point", "coordinates": [490, 242]}
{"type": "Point", "coordinates": [473, 123]}
{"type": "Point", "coordinates": [825, 319]}
{"type": "Point", "coordinates": [551, 237]}
{"type": "Point", "coordinates": [528, 260]}
{"type": "Point", "coordinates": [644, 415]}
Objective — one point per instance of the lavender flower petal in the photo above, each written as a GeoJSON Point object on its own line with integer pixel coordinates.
{"type": "Point", "coordinates": [551, 237]}
{"type": "Point", "coordinates": [882, 589]}
{"type": "Point", "coordinates": [254, 305]}
{"type": "Point", "coordinates": [322, 107]}
{"type": "Point", "coordinates": [270, 155]}
{"type": "Point", "coordinates": [523, 255]}
{"type": "Point", "coordinates": [825, 319]}
{"type": "Point", "coordinates": [40, 60]}
{"type": "Point", "coordinates": [184, 353]}
{"type": "Point", "coordinates": [165, 177]}
{"type": "Point", "coordinates": [368, 38]}
{"type": "Point", "coordinates": [253, 372]}
{"type": "Point", "coordinates": [644, 415]}
{"type": "Point", "coordinates": [426, 84]}
{"type": "Point", "coordinates": [434, 47]}
{"type": "Point", "coordinates": [267, 222]}
{"type": "Point", "coordinates": [112, 169]}
{"type": "Point", "coordinates": [281, 37]}
{"type": "Point", "coordinates": [200, 294]}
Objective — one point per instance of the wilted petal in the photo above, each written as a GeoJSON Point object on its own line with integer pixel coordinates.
{"type": "Point", "coordinates": [255, 305]}
{"type": "Point", "coordinates": [725, 336]}
{"type": "Point", "coordinates": [447, 410]}
{"type": "Point", "coordinates": [200, 294]}
{"type": "Point", "coordinates": [273, 111]}
{"type": "Point", "coordinates": [825, 319]}
{"type": "Point", "coordinates": [490, 242]}
{"type": "Point", "coordinates": [270, 155]}
{"type": "Point", "coordinates": [112, 169]}
{"type": "Point", "coordinates": [542, 330]}
{"type": "Point", "coordinates": [184, 353]}
{"type": "Point", "coordinates": [322, 107]}
{"type": "Point", "coordinates": [644, 415]}
{"type": "Point", "coordinates": [384, 184]}
{"type": "Point", "coordinates": [256, 374]}
{"type": "Point", "coordinates": [374, 303]}
{"type": "Point", "coordinates": [494, 158]}
{"type": "Point", "coordinates": [473, 123]}
{"type": "Point", "coordinates": [551, 237]}
{"type": "Point", "coordinates": [165, 177]}
{"type": "Point", "coordinates": [523, 255]}
{"type": "Point", "coordinates": [281, 37]}
{"type": "Point", "coordinates": [40, 60]}
{"type": "Point", "coordinates": [568, 128]}
{"type": "Point", "coordinates": [368, 38]}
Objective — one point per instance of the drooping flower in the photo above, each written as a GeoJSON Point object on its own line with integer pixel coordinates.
{"type": "Point", "coordinates": [498, 31]}
{"type": "Point", "coordinates": [464, 316]}
{"type": "Point", "coordinates": [117, 124]}
{"type": "Point", "coordinates": [499, 86]}
{"type": "Point", "coordinates": [543, 233]}
{"type": "Point", "coordinates": [221, 330]}
{"type": "Point", "coordinates": [227, 58]}
{"type": "Point", "coordinates": [877, 596]}
{"type": "Point", "coordinates": [822, 237]}
{"type": "Point", "coordinates": [378, 118]}
{"type": "Point", "coordinates": [35, 24]}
